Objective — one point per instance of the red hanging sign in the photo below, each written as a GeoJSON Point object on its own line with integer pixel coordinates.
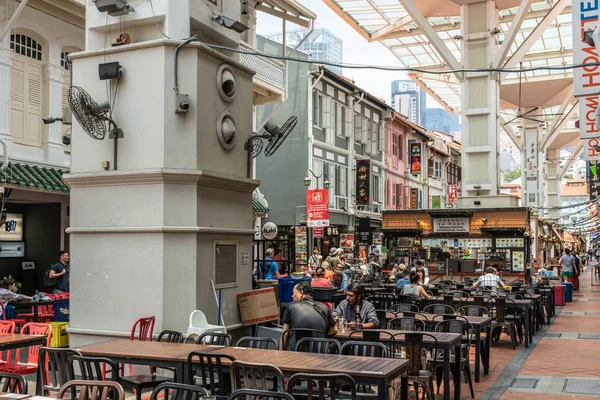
{"type": "Point", "coordinates": [318, 233]}
{"type": "Point", "coordinates": [317, 208]}
{"type": "Point", "coordinates": [452, 193]}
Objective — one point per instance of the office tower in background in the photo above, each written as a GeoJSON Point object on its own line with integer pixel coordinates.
{"type": "Point", "coordinates": [409, 99]}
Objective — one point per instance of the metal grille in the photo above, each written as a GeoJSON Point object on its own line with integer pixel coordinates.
{"type": "Point", "coordinates": [592, 336]}
{"type": "Point", "coordinates": [524, 383]}
{"type": "Point", "coordinates": [582, 386]}
{"type": "Point", "coordinates": [267, 70]}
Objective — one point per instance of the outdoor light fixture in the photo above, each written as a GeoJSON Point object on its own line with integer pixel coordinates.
{"type": "Point", "coordinates": [495, 31]}
{"type": "Point", "coordinates": [484, 220]}
{"type": "Point", "coordinates": [230, 23]}
{"type": "Point", "coordinates": [326, 183]}
{"type": "Point", "coordinates": [113, 7]}
{"type": "Point", "coordinates": [418, 221]}
{"type": "Point", "coordinates": [307, 181]}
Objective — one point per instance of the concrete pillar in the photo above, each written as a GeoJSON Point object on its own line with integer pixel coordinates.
{"type": "Point", "coordinates": [144, 239]}
{"type": "Point", "coordinates": [480, 99]}
{"type": "Point", "coordinates": [553, 183]}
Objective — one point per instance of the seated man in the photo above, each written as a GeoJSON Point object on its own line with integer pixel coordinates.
{"type": "Point", "coordinates": [405, 280]}
{"type": "Point", "coordinates": [490, 279]}
{"type": "Point", "coordinates": [305, 313]}
{"type": "Point", "coordinates": [340, 279]}
{"type": "Point", "coordinates": [354, 304]}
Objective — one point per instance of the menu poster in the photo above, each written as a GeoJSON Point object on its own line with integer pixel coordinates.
{"type": "Point", "coordinates": [475, 243]}
{"type": "Point", "coordinates": [378, 238]}
{"type": "Point", "coordinates": [518, 261]}
{"type": "Point", "coordinates": [347, 244]}
{"type": "Point", "coordinates": [503, 243]}
{"type": "Point", "coordinates": [301, 249]}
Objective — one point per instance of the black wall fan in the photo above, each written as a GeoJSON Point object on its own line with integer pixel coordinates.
{"type": "Point", "coordinates": [92, 116]}
{"type": "Point", "coordinates": [274, 135]}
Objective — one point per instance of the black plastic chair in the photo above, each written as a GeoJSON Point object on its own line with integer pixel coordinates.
{"type": "Point", "coordinates": [318, 345]}
{"type": "Point", "coordinates": [405, 307]}
{"type": "Point", "coordinates": [59, 369]}
{"type": "Point", "coordinates": [13, 383]}
{"type": "Point", "coordinates": [257, 342]}
{"type": "Point", "coordinates": [91, 390]}
{"type": "Point", "coordinates": [407, 324]}
{"type": "Point", "coordinates": [90, 368]}
{"type": "Point", "coordinates": [291, 336]}
{"type": "Point", "coordinates": [326, 386]}
{"type": "Point", "coordinates": [170, 337]}
{"type": "Point", "coordinates": [179, 391]}
{"type": "Point", "coordinates": [418, 372]}
{"type": "Point", "coordinates": [439, 309]}
{"type": "Point", "coordinates": [249, 394]}
{"type": "Point", "coordinates": [245, 375]}
{"type": "Point", "coordinates": [214, 339]}
{"type": "Point", "coordinates": [365, 349]}
{"type": "Point", "coordinates": [208, 371]}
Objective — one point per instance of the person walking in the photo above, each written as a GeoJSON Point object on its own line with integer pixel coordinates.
{"type": "Point", "coordinates": [60, 272]}
{"type": "Point", "coordinates": [567, 264]}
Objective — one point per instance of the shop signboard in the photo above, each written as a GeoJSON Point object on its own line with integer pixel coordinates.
{"type": "Point", "coordinates": [593, 169]}
{"type": "Point", "coordinates": [452, 193]}
{"type": "Point", "coordinates": [318, 233]}
{"type": "Point", "coordinates": [13, 228]}
{"type": "Point", "coordinates": [414, 199]}
{"type": "Point", "coordinates": [363, 182]}
{"type": "Point", "coordinates": [451, 225]}
{"type": "Point", "coordinates": [317, 208]}
{"type": "Point", "coordinates": [436, 201]}
{"type": "Point", "coordinates": [12, 249]}
{"type": "Point", "coordinates": [377, 238]}
{"type": "Point", "coordinates": [301, 245]}
{"type": "Point", "coordinates": [587, 117]}
{"type": "Point", "coordinates": [415, 158]}
{"type": "Point", "coordinates": [586, 81]}
{"type": "Point", "coordinates": [269, 231]}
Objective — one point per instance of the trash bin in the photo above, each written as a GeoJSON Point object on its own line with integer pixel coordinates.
{"type": "Point", "coordinates": [286, 288]}
{"type": "Point", "coordinates": [559, 295]}
{"type": "Point", "coordinates": [568, 291]}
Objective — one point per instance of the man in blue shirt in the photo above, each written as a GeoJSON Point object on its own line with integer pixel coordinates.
{"type": "Point", "coordinates": [60, 272]}
{"type": "Point", "coordinates": [271, 266]}
{"type": "Point", "coordinates": [405, 279]}
{"type": "Point", "coordinates": [340, 279]}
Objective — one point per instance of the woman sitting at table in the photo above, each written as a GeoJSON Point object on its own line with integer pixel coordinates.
{"type": "Point", "coordinates": [8, 293]}
{"type": "Point", "coordinates": [414, 289]}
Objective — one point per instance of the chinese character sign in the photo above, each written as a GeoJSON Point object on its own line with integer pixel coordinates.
{"type": "Point", "coordinates": [363, 182]}
{"type": "Point", "coordinates": [593, 179]}
{"type": "Point", "coordinates": [414, 199]}
{"type": "Point", "coordinates": [415, 158]}
{"type": "Point", "coordinates": [452, 193]}
{"type": "Point", "coordinates": [532, 154]}
{"type": "Point", "coordinates": [317, 208]}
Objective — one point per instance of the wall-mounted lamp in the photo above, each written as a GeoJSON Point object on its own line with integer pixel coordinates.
{"type": "Point", "coordinates": [484, 220]}
{"type": "Point", "coordinates": [418, 221]}
{"type": "Point", "coordinates": [230, 23]}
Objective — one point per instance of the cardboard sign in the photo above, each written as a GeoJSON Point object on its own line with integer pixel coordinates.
{"type": "Point", "coordinates": [258, 306]}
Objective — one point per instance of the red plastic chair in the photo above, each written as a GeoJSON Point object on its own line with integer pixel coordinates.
{"type": "Point", "coordinates": [31, 366]}
{"type": "Point", "coordinates": [6, 327]}
{"type": "Point", "coordinates": [18, 322]}
{"type": "Point", "coordinates": [142, 330]}
{"type": "Point", "coordinates": [63, 296]}
{"type": "Point", "coordinates": [45, 313]}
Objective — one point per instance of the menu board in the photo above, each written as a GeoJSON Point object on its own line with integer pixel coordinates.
{"type": "Point", "coordinates": [503, 243]}
{"type": "Point", "coordinates": [377, 238]}
{"type": "Point", "coordinates": [301, 249]}
{"type": "Point", "coordinates": [347, 244]}
{"type": "Point", "coordinates": [518, 261]}
{"type": "Point", "coordinates": [475, 243]}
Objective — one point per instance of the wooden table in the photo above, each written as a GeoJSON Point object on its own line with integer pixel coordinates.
{"type": "Point", "coordinates": [174, 355]}
{"type": "Point", "coordinates": [445, 342]}
{"type": "Point", "coordinates": [11, 341]}
{"type": "Point", "coordinates": [480, 324]}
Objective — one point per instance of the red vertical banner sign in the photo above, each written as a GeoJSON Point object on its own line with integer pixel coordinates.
{"type": "Point", "coordinates": [451, 193]}
{"type": "Point", "coordinates": [363, 182]}
{"type": "Point", "coordinates": [317, 208]}
{"type": "Point", "coordinates": [415, 158]}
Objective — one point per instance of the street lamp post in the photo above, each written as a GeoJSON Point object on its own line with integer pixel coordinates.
{"type": "Point", "coordinates": [309, 231]}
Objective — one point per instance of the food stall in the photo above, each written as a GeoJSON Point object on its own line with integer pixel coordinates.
{"type": "Point", "coordinates": [459, 242]}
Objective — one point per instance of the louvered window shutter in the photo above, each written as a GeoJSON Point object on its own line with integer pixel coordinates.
{"type": "Point", "coordinates": [34, 105]}
{"type": "Point", "coordinates": [382, 137]}
{"type": "Point", "coordinates": [364, 135]}
{"type": "Point", "coordinates": [374, 136]}
{"type": "Point", "coordinates": [338, 119]}
{"type": "Point", "coordinates": [348, 121]}
{"type": "Point", "coordinates": [17, 100]}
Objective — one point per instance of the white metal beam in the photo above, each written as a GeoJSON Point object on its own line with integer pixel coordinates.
{"type": "Point", "coordinates": [511, 134]}
{"type": "Point", "coordinates": [558, 118]}
{"type": "Point", "coordinates": [549, 138]}
{"type": "Point", "coordinates": [534, 36]}
{"type": "Point", "coordinates": [13, 19]}
{"type": "Point", "coordinates": [378, 34]}
{"type": "Point", "coordinates": [512, 33]}
{"type": "Point", "coordinates": [574, 155]}
{"type": "Point", "coordinates": [431, 34]}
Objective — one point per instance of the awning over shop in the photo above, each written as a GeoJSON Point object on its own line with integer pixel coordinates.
{"type": "Point", "coordinates": [568, 238]}
{"type": "Point", "coordinates": [33, 177]}
{"type": "Point", "coordinates": [257, 207]}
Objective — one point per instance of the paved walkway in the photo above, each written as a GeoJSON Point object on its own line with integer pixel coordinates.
{"type": "Point", "coordinates": [564, 359]}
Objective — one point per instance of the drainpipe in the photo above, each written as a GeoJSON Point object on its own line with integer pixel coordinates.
{"type": "Point", "coordinates": [362, 97]}
{"type": "Point", "coordinates": [13, 19]}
